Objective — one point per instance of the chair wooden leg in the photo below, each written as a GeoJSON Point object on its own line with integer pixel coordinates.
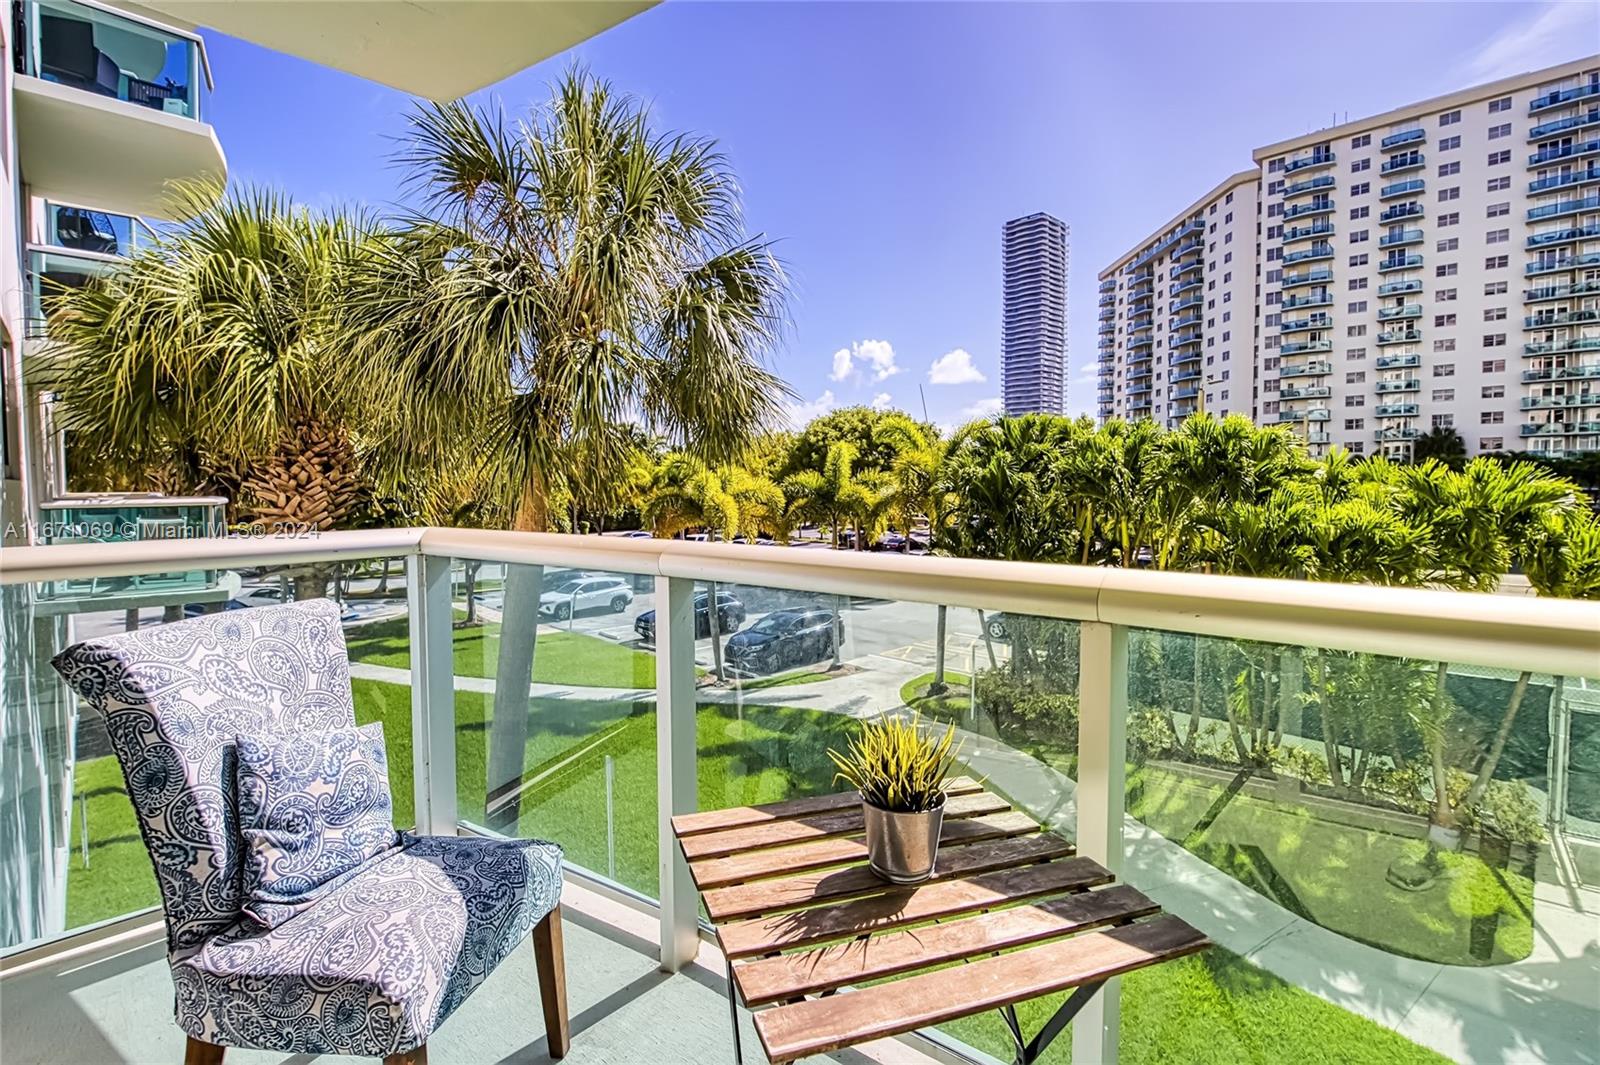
{"type": "Point", "coordinates": [552, 981]}
{"type": "Point", "coordinates": [196, 1052]}
{"type": "Point", "coordinates": [415, 1056]}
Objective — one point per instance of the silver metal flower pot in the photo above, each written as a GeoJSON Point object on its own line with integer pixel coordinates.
{"type": "Point", "coordinates": [901, 847]}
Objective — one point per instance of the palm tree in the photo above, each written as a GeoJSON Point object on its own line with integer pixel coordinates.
{"type": "Point", "coordinates": [1443, 444]}
{"type": "Point", "coordinates": [835, 495]}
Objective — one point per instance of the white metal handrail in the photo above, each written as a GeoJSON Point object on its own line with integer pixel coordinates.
{"type": "Point", "coordinates": [1545, 635]}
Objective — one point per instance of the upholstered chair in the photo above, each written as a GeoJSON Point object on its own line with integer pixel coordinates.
{"type": "Point", "coordinates": [374, 964]}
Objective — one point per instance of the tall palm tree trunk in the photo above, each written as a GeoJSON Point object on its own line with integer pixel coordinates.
{"type": "Point", "coordinates": [938, 685]}
{"type": "Point", "coordinates": [519, 630]}
{"type": "Point", "coordinates": [714, 624]}
{"type": "Point", "coordinates": [1486, 771]}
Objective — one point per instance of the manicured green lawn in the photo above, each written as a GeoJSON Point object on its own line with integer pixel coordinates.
{"type": "Point", "coordinates": [559, 657]}
{"type": "Point", "coordinates": [954, 701]}
{"type": "Point", "coordinates": [812, 675]}
{"type": "Point", "coordinates": [1216, 1008]}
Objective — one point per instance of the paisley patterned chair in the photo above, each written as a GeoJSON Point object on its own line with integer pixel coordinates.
{"type": "Point", "coordinates": [375, 965]}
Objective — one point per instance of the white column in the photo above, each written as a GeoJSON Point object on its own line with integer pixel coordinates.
{"type": "Point", "coordinates": [675, 765]}
{"type": "Point", "coordinates": [1102, 797]}
{"type": "Point", "coordinates": [433, 696]}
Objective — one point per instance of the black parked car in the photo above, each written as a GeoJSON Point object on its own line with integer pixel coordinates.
{"type": "Point", "coordinates": [786, 638]}
{"type": "Point", "coordinates": [730, 615]}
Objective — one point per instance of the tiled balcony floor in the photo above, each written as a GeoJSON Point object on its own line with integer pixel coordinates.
{"type": "Point", "coordinates": [623, 1010]}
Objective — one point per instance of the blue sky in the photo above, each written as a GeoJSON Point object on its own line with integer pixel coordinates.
{"type": "Point", "coordinates": [884, 144]}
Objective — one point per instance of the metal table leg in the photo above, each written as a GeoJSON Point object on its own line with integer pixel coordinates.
{"type": "Point", "coordinates": [733, 1018]}
{"type": "Point", "coordinates": [1028, 1052]}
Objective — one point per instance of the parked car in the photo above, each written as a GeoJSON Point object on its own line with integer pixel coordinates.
{"type": "Point", "coordinates": [786, 638]}
{"type": "Point", "coordinates": [996, 626]}
{"type": "Point", "coordinates": [578, 594]}
{"type": "Point", "coordinates": [730, 615]}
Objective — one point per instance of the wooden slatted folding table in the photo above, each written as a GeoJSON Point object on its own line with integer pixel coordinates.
{"type": "Point", "coordinates": [1009, 914]}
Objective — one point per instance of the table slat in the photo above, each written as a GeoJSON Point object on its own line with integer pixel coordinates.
{"type": "Point", "coordinates": [908, 905]}
{"type": "Point", "coordinates": [738, 868]}
{"type": "Point", "coordinates": [818, 1026]}
{"type": "Point", "coordinates": [765, 896]}
{"type": "Point", "coordinates": [879, 955]}
{"type": "Point", "coordinates": [844, 822]}
{"type": "Point", "coordinates": [735, 816]}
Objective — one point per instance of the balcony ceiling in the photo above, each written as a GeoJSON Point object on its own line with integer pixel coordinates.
{"type": "Point", "coordinates": [440, 49]}
{"type": "Point", "coordinates": [81, 148]}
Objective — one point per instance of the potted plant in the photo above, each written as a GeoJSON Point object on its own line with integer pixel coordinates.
{"type": "Point", "coordinates": [900, 772]}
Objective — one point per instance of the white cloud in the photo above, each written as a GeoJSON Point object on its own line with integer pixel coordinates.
{"type": "Point", "coordinates": [800, 413]}
{"type": "Point", "coordinates": [1559, 30]}
{"type": "Point", "coordinates": [881, 401]}
{"type": "Point", "coordinates": [984, 408]}
{"type": "Point", "coordinates": [1088, 370]}
{"type": "Point", "coordinates": [875, 358]}
{"type": "Point", "coordinates": [955, 368]}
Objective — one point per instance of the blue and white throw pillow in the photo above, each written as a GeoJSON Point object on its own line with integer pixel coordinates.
{"type": "Point", "coordinates": [314, 808]}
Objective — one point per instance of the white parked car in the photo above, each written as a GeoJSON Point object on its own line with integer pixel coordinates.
{"type": "Point", "coordinates": [576, 595]}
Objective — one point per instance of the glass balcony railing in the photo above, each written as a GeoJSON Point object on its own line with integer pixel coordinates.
{"type": "Point", "coordinates": [1395, 410]}
{"type": "Point", "coordinates": [1564, 179]}
{"type": "Point", "coordinates": [1401, 211]}
{"type": "Point", "coordinates": [1409, 384]}
{"type": "Point", "coordinates": [1563, 96]}
{"type": "Point", "coordinates": [1108, 285]}
{"type": "Point", "coordinates": [1563, 207]}
{"type": "Point", "coordinates": [1560, 428]}
{"type": "Point", "coordinates": [1555, 347]}
{"type": "Point", "coordinates": [1576, 316]}
{"type": "Point", "coordinates": [1561, 373]}
{"type": "Point", "coordinates": [1549, 263]}
{"type": "Point", "coordinates": [1400, 238]}
{"type": "Point", "coordinates": [1301, 325]}
{"type": "Point", "coordinates": [1575, 150]}
{"type": "Point", "coordinates": [113, 55]}
{"type": "Point", "coordinates": [1573, 399]}
{"type": "Point", "coordinates": [1319, 438]}
{"type": "Point", "coordinates": [95, 231]}
{"type": "Point", "coordinates": [1395, 362]}
{"type": "Point", "coordinates": [1302, 347]}
{"type": "Point", "coordinates": [1313, 299]}
{"type": "Point", "coordinates": [122, 519]}
{"type": "Point", "coordinates": [1403, 138]}
{"type": "Point", "coordinates": [1401, 163]}
{"type": "Point", "coordinates": [1561, 292]}
{"type": "Point", "coordinates": [1399, 262]}
{"type": "Point", "coordinates": [1401, 188]}
{"type": "Point", "coordinates": [1305, 392]}
{"type": "Point", "coordinates": [1297, 233]}
{"type": "Point", "coordinates": [1307, 277]}
{"type": "Point", "coordinates": [1409, 310]}
{"type": "Point", "coordinates": [1178, 306]}
{"type": "Point", "coordinates": [1319, 251]}
{"type": "Point", "coordinates": [1394, 288]}
{"type": "Point", "coordinates": [1183, 320]}
{"type": "Point", "coordinates": [1302, 210]}
{"type": "Point", "coordinates": [1178, 288]}
{"type": "Point", "coordinates": [1185, 340]}
{"type": "Point", "coordinates": [1313, 368]}
{"type": "Point", "coordinates": [1308, 161]}
{"type": "Point", "coordinates": [1397, 433]}
{"type": "Point", "coordinates": [1590, 117]}
{"type": "Point", "coordinates": [52, 271]}
{"type": "Point", "coordinates": [1300, 188]}
{"type": "Point", "coordinates": [1399, 336]}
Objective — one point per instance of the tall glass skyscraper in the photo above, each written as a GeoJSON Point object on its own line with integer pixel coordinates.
{"type": "Point", "coordinates": [1033, 340]}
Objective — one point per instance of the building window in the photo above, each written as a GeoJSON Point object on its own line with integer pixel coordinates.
{"type": "Point", "coordinates": [1494, 314]}
{"type": "Point", "coordinates": [1442, 321]}
{"type": "Point", "coordinates": [1444, 295]}
{"type": "Point", "coordinates": [1449, 118]}
{"type": "Point", "coordinates": [1446, 344]}
{"type": "Point", "coordinates": [1502, 104]}
{"type": "Point", "coordinates": [1495, 366]}
{"type": "Point", "coordinates": [1449, 219]}
{"type": "Point", "coordinates": [1445, 270]}
{"type": "Point", "coordinates": [1449, 169]}
{"type": "Point", "coordinates": [1357, 284]}
{"type": "Point", "coordinates": [1355, 354]}
{"type": "Point", "coordinates": [1358, 260]}
{"type": "Point", "coordinates": [1444, 395]}
{"type": "Point", "coordinates": [1489, 443]}
{"type": "Point", "coordinates": [1444, 421]}
{"type": "Point", "coordinates": [1498, 210]}
{"type": "Point", "coordinates": [1492, 417]}
{"type": "Point", "coordinates": [1495, 288]}
{"type": "Point", "coordinates": [1356, 447]}
{"type": "Point", "coordinates": [1444, 369]}
{"type": "Point", "coordinates": [1355, 330]}
{"type": "Point", "coordinates": [1354, 423]}
{"type": "Point", "coordinates": [1358, 237]}
{"type": "Point", "coordinates": [1358, 213]}
{"type": "Point", "coordinates": [1500, 158]}
{"type": "Point", "coordinates": [1363, 141]}
{"type": "Point", "coordinates": [1359, 165]}
{"type": "Point", "coordinates": [1502, 130]}
{"type": "Point", "coordinates": [1495, 262]}
{"type": "Point", "coordinates": [1499, 184]}
{"type": "Point", "coordinates": [1498, 236]}
{"type": "Point", "coordinates": [1451, 193]}
{"type": "Point", "coordinates": [1355, 377]}
{"type": "Point", "coordinates": [1355, 401]}
{"type": "Point", "coordinates": [1356, 307]}
{"type": "Point", "coordinates": [1494, 391]}
{"type": "Point", "coordinates": [1361, 189]}
{"type": "Point", "coordinates": [1494, 340]}
{"type": "Point", "coordinates": [1448, 244]}
{"type": "Point", "coordinates": [1447, 144]}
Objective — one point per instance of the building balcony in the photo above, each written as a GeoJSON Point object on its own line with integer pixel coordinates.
{"type": "Point", "coordinates": [1179, 288]}
{"type": "Point", "coordinates": [108, 108]}
{"type": "Point", "coordinates": [1590, 117]}
{"type": "Point", "coordinates": [1305, 392]}
{"type": "Point", "coordinates": [1560, 428]}
{"type": "Point", "coordinates": [1587, 176]}
{"type": "Point", "coordinates": [1395, 410]}
{"type": "Point", "coordinates": [1556, 152]}
{"type": "Point", "coordinates": [1394, 362]}
{"type": "Point", "coordinates": [1571, 399]}
{"type": "Point", "coordinates": [1304, 210]}
{"type": "Point", "coordinates": [1136, 343]}
{"type": "Point", "coordinates": [1301, 325]}
{"type": "Point", "coordinates": [1396, 288]}
{"type": "Point", "coordinates": [1408, 187]}
{"type": "Point", "coordinates": [1401, 163]}
{"type": "Point", "coordinates": [1399, 262]}
{"type": "Point", "coordinates": [1108, 285]}
{"type": "Point", "coordinates": [1564, 207]}
{"type": "Point", "coordinates": [1400, 212]}
{"type": "Point", "coordinates": [1179, 306]}
{"type": "Point", "coordinates": [1142, 388]}
{"type": "Point", "coordinates": [1396, 433]}
{"type": "Point", "coordinates": [1313, 368]}
{"type": "Point", "coordinates": [1312, 299]}
{"type": "Point", "coordinates": [1107, 328]}
{"type": "Point", "coordinates": [1555, 264]}
{"type": "Point", "coordinates": [1308, 277]}
{"type": "Point", "coordinates": [1187, 340]}
{"type": "Point", "coordinates": [1309, 161]}
{"type": "Point", "coordinates": [1577, 316]}
{"type": "Point", "coordinates": [1107, 314]}
{"type": "Point", "coordinates": [1565, 344]}
{"type": "Point", "coordinates": [1563, 96]}
{"type": "Point", "coordinates": [1309, 414]}
{"type": "Point", "coordinates": [53, 270]}
{"type": "Point", "coordinates": [1186, 375]}
{"type": "Point", "coordinates": [1561, 292]}
{"type": "Point", "coordinates": [1400, 238]}
{"type": "Point", "coordinates": [1399, 336]}
{"type": "Point", "coordinates": [1410, 310]}
{"type": "Point", "coordinates": [1108, 299]}
{"type": "Point", "coordinates": [1303, 346]}
{"type": "Point", "coordinates": [1298, 233]}
{"type": "Point", "coordinates": [1183, 320]}
{"type": "Point", "coordinates": [1396, 141]}
{"type": "Point", "coordinates": [1300, 188]}
{"type": "Point", "coordinates": [1189, 266]}
{"type": "Point", "coordinates": [1140, 323]}
{"type": "Point", "coordinates": [1187, 247]}
{"type": "Point", "coordinates": [1561, 373]}
{"type": "Point", "coordinates": [1186, 392]}
{"type": "Point", "coordinates": [1408, 384]}
{"type": "Point", "coordinates": [1319, 251]}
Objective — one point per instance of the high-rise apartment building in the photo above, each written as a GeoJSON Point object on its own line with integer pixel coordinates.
{"type": "Point", "coordinates": [1177, 314]}
{"type": "Point", "coordinates": [1436, 266]}
{"type": "Point", "coordinates": [1033, 341]}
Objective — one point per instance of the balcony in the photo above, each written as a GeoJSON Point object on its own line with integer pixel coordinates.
{"type": "Point", "coordinates": [1395, 410]}
{"type": "Point", "coordinates": [1399, 336]}
{"type": "Point", "coordinates": [1187, 392]}
{"type": "Point", "coordinates": [1409, 310]}
{"type": "Point", "coordinates": [1186, 375]}
{"type": "Point", "coordinates": [1320, 251]}
{"type": "Point", "coordinates": [1561, 373]}
{"type": "Point", "coordinates": [1563, 207]}
{"type": "Point", "coordinates": [1179, 288]}
{"type": "Point", "coordinates": [1319, 438]}
{"type": "Point", "coordinates": [1106, 314]}
{"type": "Point", "coordinates": [1560, 428]}
{"type": "Point", "coordinates": [1303, 210]}
{"type": "Point", "coordinates": [1399, 262]}
{"type": "Point", "coordinates": [1575, 150]}
{"type": "Point", "coordinates": [1409, 384]}
{"type": "Point", "coordinates": [1407, 187]}
{"type": "Point", "coordinates": [52, 270]}
{"type": "Point", "coordinates": [1107, 328]}
{"type": "Point", "coordinates": [1304, 346]}
{"type": "Point", "coordinates": [1590, 117]}
{"type": "Point", "coordinates": [1314, 368]}
{"type": "Point", "coordinates": [1182, 268]}
{"type": "Point", "coordinates": [1396, 433]}
{"type": "Point", "coordinates": [1553, 264]}
{"type": "Point", "coordinates": [1179, 306]}
{"type": "Point", "coordinates": [1184, 320]}
{"type": "Point", "coordinates": [1305, 392]}
{"type": "Point", "coordinates": [1140, 322]}
{"type": "Point", "coordinates": [1395, 288]}
{"type": "Point", "coordinates": [1298, 233]}
{"type": "Point", "coordinates": [1188, 246]}
{"type": "Point", "coordinates": [114, 1003]}
{"type": "Point", "coordinates": [95, 86]}
{"type": "Point", "coordinates": [1184, 340]}
{"type": "Point", "coordinates": [1556, 347]}
{"type": "Point", "coordinates": [1572, 399]}
{"type": "Point", "coordinates": [1560, 292]}
{"type": "Point", "coordinates": [1300, 188]}
{"type": "Point", "coordinates": [1401, 211]}
{"type": "Point", "coordinates": [1401, 163]}
{"type": "Point", "coordinates": [1314, 299]}
{"type": "Point", "coordinates": [1310, 277]}
{"type": "Point", "coordinates": [1108, 285]}
{"type": "Point", "coordinates": [1572, 317]}
{"type": "Point", "coordinates": [1309, 161]}
{"type": "Point", "coordinates": [1301, 325]}
{"type": "Point", "coordinates": [1399, 140]}
{"type": "Point", "coordinates": [1400, 238]}
{"type": "Point", "coordinates": [1563, 96]}
{"type": "Point", "coordinates": [1393, 362]}
{"type": "Point", "coordinates": [1108, 299]}
{"type": "Point", "coordinates": [1587, 176]}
